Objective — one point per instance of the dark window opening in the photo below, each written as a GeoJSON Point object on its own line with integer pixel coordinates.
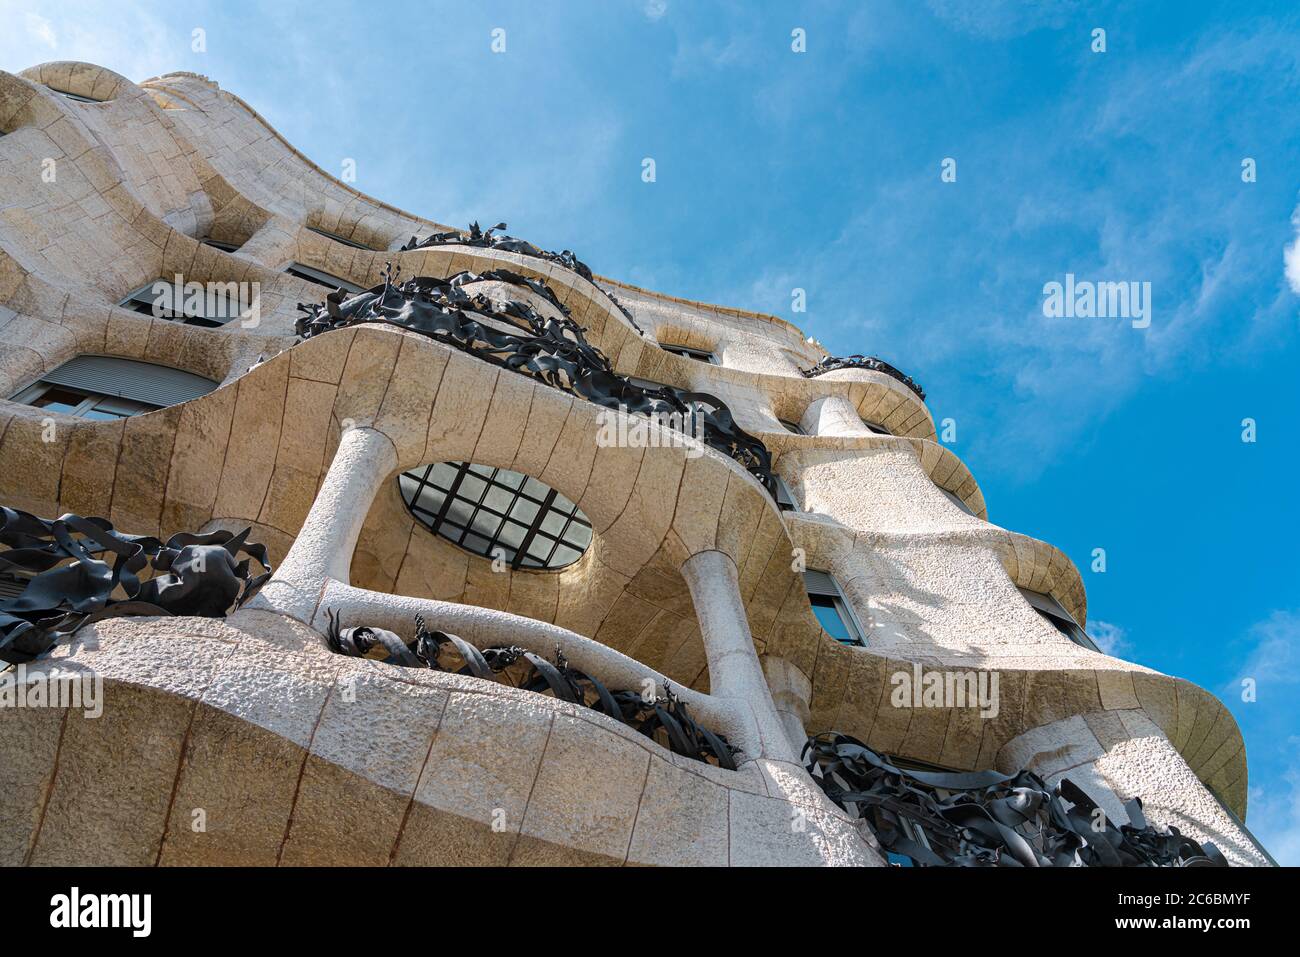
{"type": "Point", "coordinates": [340, 239]}
{"type": "Point", "coordinates": [322, 278]}
{"type": "Point", "coordinates": [701, 355]}
{"type": "Point", "coordinates": [831, 608]}
{"type": "Point", "coordinates": [784, 499]}
{"type": "Point", "coordinates": [76, 96]}
{"type": "Point", "coordinates": [163, 299]}
{"type": "Point", "coordinates": [1051, 609]}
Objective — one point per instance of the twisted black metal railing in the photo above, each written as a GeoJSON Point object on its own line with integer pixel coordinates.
{"type": "Point", "coordinates": [554, 351]}
{"type": "Point", "coordinates": [80, 570]}
{"type": "Point", "coordinates": [665, 720]}
{"type": "Point", "coordinates": [870, 363]}
{"type": "Point", "coordinates": [987, 819]}
{"type": "Point", "coordinates": [487, 239]}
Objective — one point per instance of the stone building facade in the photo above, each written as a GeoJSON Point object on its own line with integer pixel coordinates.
{"type": "Point", "coordinates": [247, 740]}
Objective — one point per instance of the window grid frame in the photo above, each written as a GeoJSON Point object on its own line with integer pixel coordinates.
{"type": "Point", "coordinates": [526, 556]}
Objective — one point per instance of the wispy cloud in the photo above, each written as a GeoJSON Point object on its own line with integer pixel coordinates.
{"type": "Point", "coordinates": [1111, 639]}
{"type": "Point", "coordinates": [41, 29]}
{"type": "Point", "coordinates": [1291, 256]}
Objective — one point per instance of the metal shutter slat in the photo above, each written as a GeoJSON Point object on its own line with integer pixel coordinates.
{"type": "Point", "coordinates": [129, 379]}
{"type": "Point", "coordinates": [820, 583]}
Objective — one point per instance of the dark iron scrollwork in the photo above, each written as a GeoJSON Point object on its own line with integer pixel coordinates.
{"type": "Point", "coordinates": [555, 351]}
{"type": "Point", "coordinates": [870, 363]}
{"type": "Point", "coordinates": [665, 720]}
{"type": "Point", "coordinates": [488, 239]}
{"type": "Point", "coordinates": [83, 570]}
{"type": "Point", "coordinates": [987, 819]}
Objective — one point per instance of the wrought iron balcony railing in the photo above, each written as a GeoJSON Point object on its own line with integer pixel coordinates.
{"type": "Point", "coordinates": [487, 239]}
{"type": "Point", "coordinates": [554, 351]}
{"type": "Point", "coordinates": [986, 819]}
{"type": "Point", "coordinates": [870, 363]}
{"type": "Point", "coordinates": [665, 720]}
{"type": "Point", "coordinates": [80, 566]}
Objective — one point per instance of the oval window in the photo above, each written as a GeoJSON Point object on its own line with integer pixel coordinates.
{"type": "Point", "coordinates": [497, 513]}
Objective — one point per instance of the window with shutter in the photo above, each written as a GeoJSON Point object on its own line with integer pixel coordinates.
{"type": "Point", "coordinates": [321, 278]}
{"type": "Point", "coordinates": [106, 387]}
{"type": "Point", "coordinates": [1051, 609]}
{"type": "Point", "coordinates": [831, 608]}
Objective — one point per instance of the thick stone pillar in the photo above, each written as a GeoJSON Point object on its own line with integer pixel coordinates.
{"type": "Point", "coordinates": [833, 415]}
{"type": "Point", "coordinates": [735, 673]}
{"type": "Point", "coordinates": [324, 546]}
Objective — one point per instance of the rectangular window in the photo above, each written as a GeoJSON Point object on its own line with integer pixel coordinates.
{"type": "Point", "coordinates": [225, 247]}
{"type": "Point", "coordinates": [107, 387]}
{"type": "Point", "coordinates": [172, 302]}
{"type": "Point", "coordinates": [1051, 609]}
{"type": "Point", "coordinates": [340, 239]}
{"type": "Point", "coordinates": [701, 355]}
{"type": "Point", "coordinates": [784, 499]}
{"type": "Point", "coordinates": [321, 278]}
{"type": "Point", "coordinates": [83, 403]}
{"type": "Point", "coordinates": [831, 608]}
{"type": "Point", "coordinates": [76, 96]}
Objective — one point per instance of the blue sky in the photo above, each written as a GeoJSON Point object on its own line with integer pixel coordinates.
{"type": "Point", "coordinates": [821, 170]}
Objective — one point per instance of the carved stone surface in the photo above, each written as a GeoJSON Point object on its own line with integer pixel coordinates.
{"type": "Point", "coordinates": [988, 819]}
{"type": "Point", "coordinates": [552, 350]}
{"type": "Point", "coordinates": [78, 565]}
{"type": "Point", "coordinates": [870, 363]}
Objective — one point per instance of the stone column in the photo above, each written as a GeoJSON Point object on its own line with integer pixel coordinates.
{"type": "Point", "coordinates": [833, 415]}
{"type": "Point", "coordinates": [324, 546]}
{"type": "Point", "coordinates": [734, 670]}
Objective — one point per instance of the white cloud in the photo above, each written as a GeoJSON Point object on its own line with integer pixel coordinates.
{"type": "Point", "coordinates": [1291, 256]}
{"type": "Point", "coordinates": [1111, 639]}
{"type": "Point", "coordinates": [41, 29]}
{"type": "Point", "coordinates": [133, 41]}
{"type": "Point", "coordinates": [654, 9]}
